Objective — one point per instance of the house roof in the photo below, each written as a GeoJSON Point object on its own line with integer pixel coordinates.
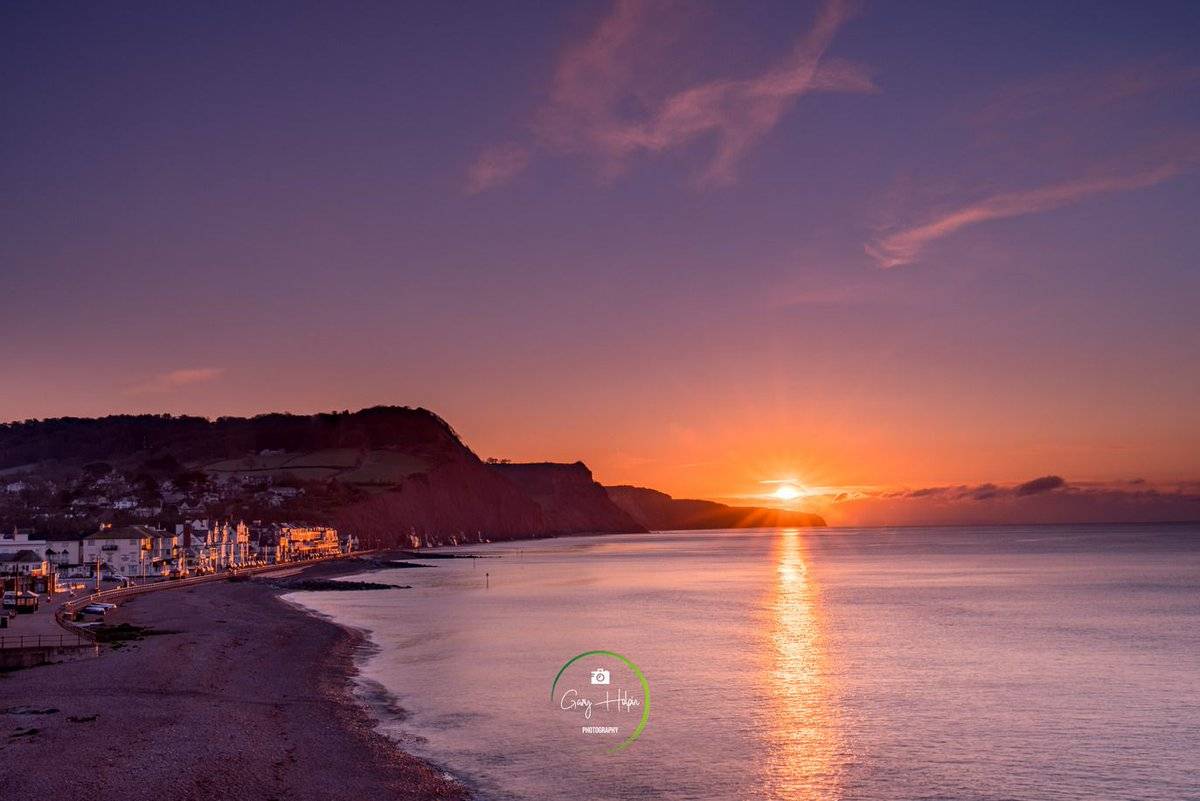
{"type": "Point", "coordinates": [23, 555]}
{"type": "Point", "coordinates": [69, 537]}
{"type": "Point", "coordinates": [127, 533]}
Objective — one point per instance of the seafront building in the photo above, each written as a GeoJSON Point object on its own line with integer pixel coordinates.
{"type": "Point", "coordinates": [264, 544]}
{"type": "Point", "coordinates": [146, 553]}
{"type": "Point", "coordinates": [307, 542]}
{"type": "Point", "coordinates": [122, 550]}
{"type": "Point", "coordinates": [231, 544]}
{"type": "Point", "coordinates": [21, 539]}
{"type": "Point", "coordinates": [23, 563]}
{"type": "Point", "coordinates": [27, 564]}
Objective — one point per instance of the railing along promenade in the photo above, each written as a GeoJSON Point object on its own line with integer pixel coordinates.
{"type": "Point", "coordinates": [9, 641]}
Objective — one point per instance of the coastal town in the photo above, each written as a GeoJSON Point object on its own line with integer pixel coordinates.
{"type": "Point", "coordinates": [141, 553]}
{"type": "Point", "coordinates": [108, 529]}
{"type": "Point", "coordinates": [33, 566]}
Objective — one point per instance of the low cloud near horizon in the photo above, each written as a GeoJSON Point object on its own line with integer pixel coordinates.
{"type": "Point", "coordinates": [175, 379]}
{"type": "Point", "coordinates": [1046, 499]}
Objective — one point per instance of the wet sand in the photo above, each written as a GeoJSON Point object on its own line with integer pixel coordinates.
{"type": "Point", "coordinates": [249, 698]}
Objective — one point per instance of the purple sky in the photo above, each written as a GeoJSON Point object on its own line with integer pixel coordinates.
{"type": "Point", "coordinates": [699, 246]}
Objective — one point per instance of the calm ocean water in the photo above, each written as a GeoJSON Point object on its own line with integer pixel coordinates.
{"type": "Point", "coordinates": [1049, 662]}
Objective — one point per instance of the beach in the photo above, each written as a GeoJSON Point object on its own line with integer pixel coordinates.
{"type": "Point", "coordinates": [241, 696]}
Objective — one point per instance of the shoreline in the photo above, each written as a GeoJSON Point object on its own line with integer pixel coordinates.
{"type": "Point", "coordinates": [345, 663]}
{"type": "Point", "coordinates": [369, 696]}
{"type": "Point", "coordinates": [240, 694]}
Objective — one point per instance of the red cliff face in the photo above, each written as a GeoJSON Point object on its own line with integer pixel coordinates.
{"type": "Point", "coordinates": [452, 503]}
{"type": "Point", "coordinates": [570, 500]}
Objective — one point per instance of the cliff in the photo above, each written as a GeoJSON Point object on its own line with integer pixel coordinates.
{"type": "Point", "coordinates": [447, 504]}
{"type": "Point", "coordinates": [383, 473]}
{"type": "Point", "coordinates": [660, 512]}
{"type": "Point", "coordinates": [570, 500]}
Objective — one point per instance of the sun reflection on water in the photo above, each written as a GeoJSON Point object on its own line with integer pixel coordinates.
{"type": "Point", "coordinates": [801, 731]}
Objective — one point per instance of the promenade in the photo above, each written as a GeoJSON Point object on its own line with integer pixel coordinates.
{"type": "Point", "coordinates": [51, 626]}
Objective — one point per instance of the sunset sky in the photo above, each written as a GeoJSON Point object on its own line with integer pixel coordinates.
{"type": "Point", "coordinates": [897, 253]}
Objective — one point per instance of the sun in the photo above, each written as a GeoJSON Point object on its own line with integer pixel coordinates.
{"type": "Point", "coordinates": [786, 492]}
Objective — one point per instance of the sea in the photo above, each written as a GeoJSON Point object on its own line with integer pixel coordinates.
{"type": "Point", "coordinates": [959, 663]}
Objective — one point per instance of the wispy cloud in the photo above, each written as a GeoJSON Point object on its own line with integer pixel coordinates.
{"type": "Point", "coordinates": [905, 246]}
{"type": "Point", "coordinates": [495, 166]}
{"type": "Point", "coordinates": [598, 80]}
{"type": "Point", "coordinates": [175, 379]}
{"type": "Point", "coordinates": [1068, 117]}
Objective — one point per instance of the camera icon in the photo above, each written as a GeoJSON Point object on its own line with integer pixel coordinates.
{"type": "Point", "coordinates": [600, 676]}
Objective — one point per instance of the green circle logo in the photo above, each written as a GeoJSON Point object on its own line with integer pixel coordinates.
{"type": "Point", "coordinates": [595, 696]}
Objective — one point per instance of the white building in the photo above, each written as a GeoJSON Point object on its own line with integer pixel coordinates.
{"type": "Point", "coordinates": [24, 563]}
{"type": "Point", "coordinates": [21, 540]}
{"type": "Point", "coordinates": [193, 540]}
{"type": "Point", "coordinates": [126, 550]}
{"type": "Point", "coordinates": [214, 546]}
{"type": "Point", "coordinates": [231, 544]}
